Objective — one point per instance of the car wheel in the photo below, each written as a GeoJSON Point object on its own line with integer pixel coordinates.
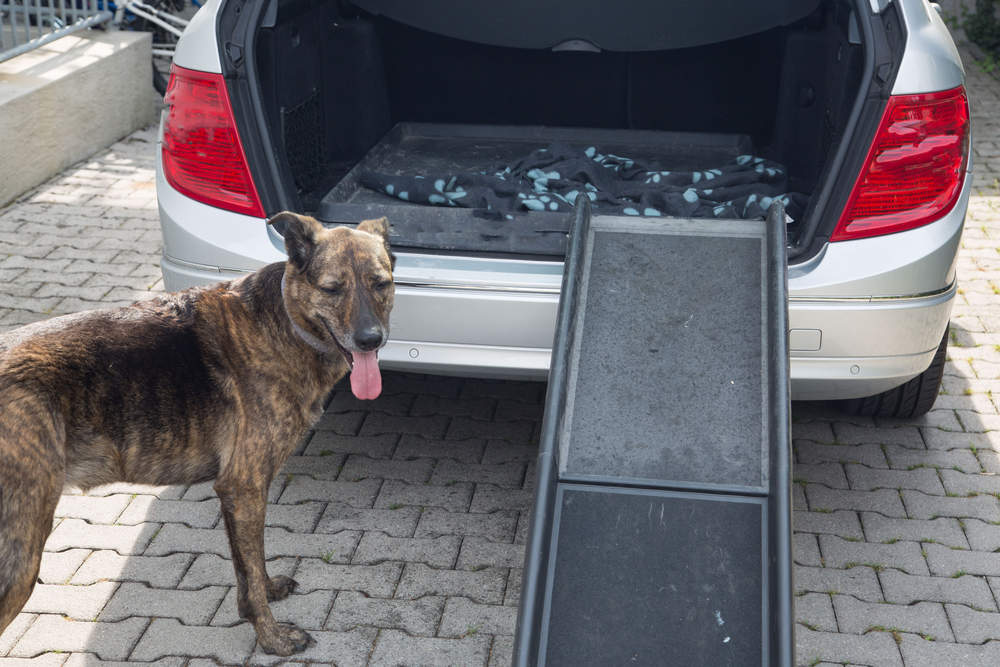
{"type": "Point", "coordinates": [912, 399]}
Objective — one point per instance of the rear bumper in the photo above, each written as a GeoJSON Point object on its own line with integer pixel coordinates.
{"type": "Point", "coordinates": [866, 346]}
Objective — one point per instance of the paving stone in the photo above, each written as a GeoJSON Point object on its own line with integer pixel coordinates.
{"type": "Point", "coordinates": [512, 596]}
{"type": "Point", "coordinates": [416, 617]}
{"type": "Point", "coordinates": [416, 471]}
{"type": "Point", "coordinates": [57, 567]}
{"type": "Point", "coordinates": [92, 509]}
{"type": "Point", "coordinates": [524, 392]}
{"type": "Point", "coordinates": [501, 451]}
{"type": "Point", "coordinates": [905, 458]}
{"type": "Point", "coordinates": [860, 582]}
{"type": "Point", "coordinates": [158, 571]}
{"type": "Point", "coordinates": [920, 653]}
{"type": "Point", "coordinates": [203, 514]}
{"type": "Point", "coordinates": [397, 522]}
{"type": "Point", "coordinates": [501, 474]}
{"type": "Point", "coordinates": [508, 410]}
{"type": "Point", "coordinates": [377, 547]}
{"type": "Point", "coordinates": [497, 526]}
{"type": "Point", "coordinates": [921, 506]}
{"type": "Point", "coordinates": [454, 497]}
{"type": "Point", "coordinates": [397, 648]}
{"type": "Point", "coordinates": [885, 501]}
{"type": "Point", "coordinates": [346, 423]}
{"type": "Point", "coordinates": [13, 632]}
{"type": "Point", "coordinates": [109, 641]}
{"type": "Point", "coordinates": [864, 478]}
{"type": "Point", "coordinates": [883, 529]}
{"type": "Point", "coordinates": [298, 518]}
{"type": "Point", "coordinates": [479, 553]}
{"type": "Point", "coordinates": [429, 427]}
{"type": "Point", "coordinates": [354, 493]}
{"type": "Point", "coordinates": [394, 404]}
{"type": "Point", "coordinates": [463, 428]}
{"type": "Point", "coordinates": [213, 570]}
{"type": "Point", "coordinates": [306, 610]}
{"type": "Point", "coordinates": [815, 611]}
{"type": "Point", "coordinates": [818, 431]}
{"type": "Point", "coordinates": [76, 602]}
{"type": "Point", "coordinates": [343, 649]}
{"type": "Point", "coordinates": [907, 436]}
{"type": "Point", "coordinates": [903, 588]}
{"type": "Point", "coordinates": [166, 636]}
{"type": "Point", "coordinates": [906, 556]}
{"type": "Point", "coordinates": [963, 484]}
{"type": "Point", "coordinates": [502, 653]}
{"type": "Point", "coordinates": [944, 561]}
{"type": "Point", "coordinates": [484, 586]}
{"type": "Point", "coordinates": [828, 474]}
{"type": "Point", "coordinates": [466, 451]}
{"type": "Point", "coordinates": [191, 607]}
{"type": "Point", "coordinates": [875, 648]}
{"type": "Point", "coordinates": [75, 533]}
{"type": "Point", "coordinates": [326, 443]}
{"type": "Point", "coordinates": [477, 408]}
{"type": "Point", "coordinates": [373, 580]}
{"type": "Point", "coordinates": [982, 536]}
{"type": "Point", "coordinates": [327, 466]}
{"type": "Point", "coordinates": [277, 542]}
{"type": "Point", "coordinates": [165, 492]}
{"type": "Point", "coordinates": [51, 659]}
{"type": "Point", "coordinates": [463, 617]}
{"type": "Point", "coordinates": [842, 522]}
{"type": "Point", "coordinates": [971, 626]}
{"type": "Point", "coordinates": [857, 617]}
{"type": "Point", "coordinates": [91, 660]}
{"type": "Point", "coordinates": [491, 498]}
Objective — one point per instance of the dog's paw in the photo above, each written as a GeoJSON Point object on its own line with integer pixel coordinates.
{"type": "Point", "coordinates": [285, 639]}
{"type": "Point", "coordinates": [279, 587]}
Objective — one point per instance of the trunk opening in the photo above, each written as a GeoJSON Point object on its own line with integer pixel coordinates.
{"type": "Point", "coordinates": [343, 89]}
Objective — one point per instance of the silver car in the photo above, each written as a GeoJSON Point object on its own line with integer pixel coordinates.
{"type": "Point", "coordinates": [285, 104]}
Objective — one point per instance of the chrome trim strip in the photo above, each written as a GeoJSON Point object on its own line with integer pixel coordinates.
{"type": "Point", "coordinates": [478, 288]}
{"type": "Point", "coordinates": [945, 291]}
{"type": "Point", "coordinates": [798, 299]}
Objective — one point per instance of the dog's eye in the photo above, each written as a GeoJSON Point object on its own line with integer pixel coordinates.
{"type": "Point", "coordinates": [382, 285]}
{"type": "Point", "coordinates": [332, 289]}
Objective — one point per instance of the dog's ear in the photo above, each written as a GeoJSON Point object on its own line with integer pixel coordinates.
{"type": "Point", "coordinates": [300, 236]}
{"type": "Point", "coordinates": [379, 227]}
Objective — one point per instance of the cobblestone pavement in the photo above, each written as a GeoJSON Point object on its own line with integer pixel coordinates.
{"type": "Point", "coordinates": [404, 520]}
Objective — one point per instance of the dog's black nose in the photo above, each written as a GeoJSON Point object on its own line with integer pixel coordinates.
{"type": "Point", "coordinates": [368, 338]}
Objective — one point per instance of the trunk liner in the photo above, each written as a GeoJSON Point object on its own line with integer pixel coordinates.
{"type": "Point", "coordinates": [418, 148]}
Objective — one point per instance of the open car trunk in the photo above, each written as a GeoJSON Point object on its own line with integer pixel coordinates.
{"type": "Point", "coordinates": [357, 95]}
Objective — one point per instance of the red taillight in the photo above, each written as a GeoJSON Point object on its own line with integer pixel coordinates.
{"type": "Point", "coordinates": [914, 170]}
{"type": "Point", "coordinates": [202, 154]}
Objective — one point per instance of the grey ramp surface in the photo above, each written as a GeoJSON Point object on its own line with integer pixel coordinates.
{"type": "Point", "coordinates": [669, 366]}
{"type": "Point", "coordinates": [656, 578]}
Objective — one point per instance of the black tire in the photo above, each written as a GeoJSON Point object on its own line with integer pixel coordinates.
{"type": "Point", "coordinates": [912, 399]}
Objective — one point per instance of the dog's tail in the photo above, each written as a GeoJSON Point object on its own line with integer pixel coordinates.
{"type": "Point", "coordinates": [32, 469]}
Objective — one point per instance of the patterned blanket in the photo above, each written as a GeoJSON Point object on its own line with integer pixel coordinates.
{"type": "Point", "coordinates": [550, 179]}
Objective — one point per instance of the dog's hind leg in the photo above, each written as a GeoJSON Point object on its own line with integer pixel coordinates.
{"type": "Point", "coordinates": [32, 464]}
{"type": "Point", "coordinates": [244, 500]}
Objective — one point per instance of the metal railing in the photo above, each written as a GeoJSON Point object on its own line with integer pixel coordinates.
{"type": "Point", "coordinates": [27, 24]}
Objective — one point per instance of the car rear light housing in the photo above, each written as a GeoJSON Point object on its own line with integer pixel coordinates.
{"type": "Point", "coordinates": [915, 168]}
{"type": "Point", "coordinates": [202, 154]}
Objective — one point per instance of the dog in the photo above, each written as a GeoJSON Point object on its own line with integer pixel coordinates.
{"type": "Point", "coordinates": [209, 383]}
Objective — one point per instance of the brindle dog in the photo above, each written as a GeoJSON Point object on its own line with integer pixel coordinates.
{"type": "Point", "coordinates": [217, 382]}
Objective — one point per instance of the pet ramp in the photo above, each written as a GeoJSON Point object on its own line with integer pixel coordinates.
{"type": "Point", "coordinates": [661, 527]}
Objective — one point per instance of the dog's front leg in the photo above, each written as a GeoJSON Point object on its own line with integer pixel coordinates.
{"type": "Point", "coordinates": [243, 506]}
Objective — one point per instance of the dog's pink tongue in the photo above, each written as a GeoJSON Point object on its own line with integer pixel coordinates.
{"type": "Point", "coordinates": [366, 381]}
